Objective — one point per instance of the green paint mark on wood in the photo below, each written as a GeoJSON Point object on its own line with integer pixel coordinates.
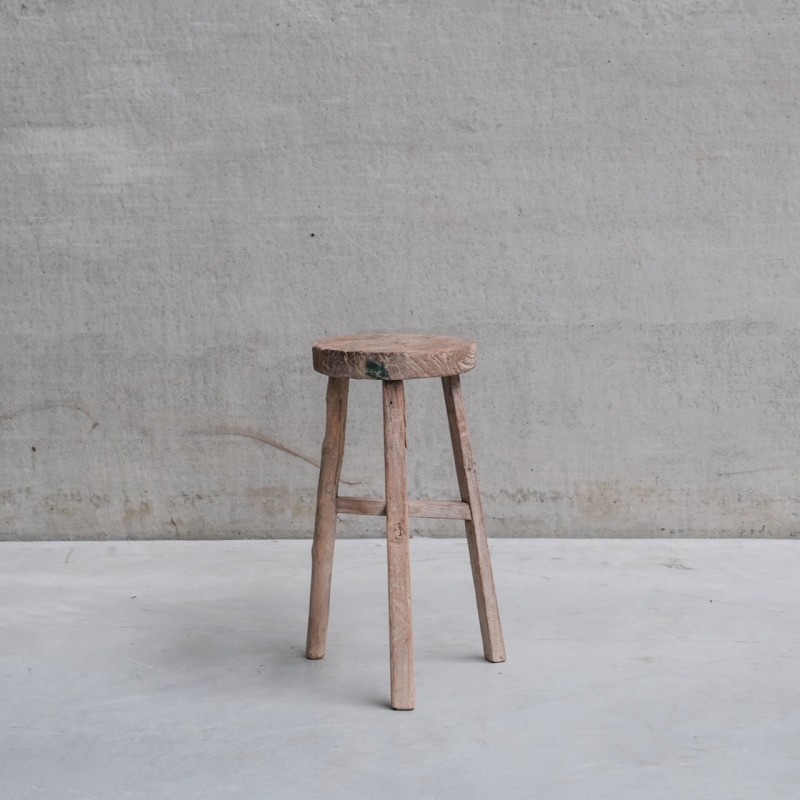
{"type": "Point", "coordinates": [377, 371]}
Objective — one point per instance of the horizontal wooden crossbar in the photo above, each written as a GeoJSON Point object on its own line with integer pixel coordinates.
{"type": "Point", "coordinates": [429, 509]}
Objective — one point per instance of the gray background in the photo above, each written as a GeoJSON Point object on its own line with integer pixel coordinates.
{"type": "Point", "coordinates": [604, 194]}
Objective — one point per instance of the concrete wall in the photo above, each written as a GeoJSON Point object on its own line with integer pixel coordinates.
{"type": "Point", "coordinates": [605, 194]}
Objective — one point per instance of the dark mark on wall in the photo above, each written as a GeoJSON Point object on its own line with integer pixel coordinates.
{"type": "Point", "coordinates": [750, 471]}
{"type": "Point", "coordinates": [267, 440]}
{"type": "Point", "coordinates": [7, 417]}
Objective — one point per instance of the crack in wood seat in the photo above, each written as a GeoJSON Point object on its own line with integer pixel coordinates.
{"type": "Point", "coordinates": [393, 357]}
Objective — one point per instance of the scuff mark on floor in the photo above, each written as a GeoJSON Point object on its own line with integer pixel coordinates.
{"type": "Point", "coordinates": [674, 563]}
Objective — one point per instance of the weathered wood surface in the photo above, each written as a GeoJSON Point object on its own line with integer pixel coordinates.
{"type": "Point", "coordinates": [393, 356]}
{"type": "Point", "coordinates": [411, 354]}
{"type": "Point", "coordinates": [325, 522]}
{"type": "Point", "coordinates": [427, 509]}
{"type": "Point", "coordinates": [488, 613]}
{"type": "Point", "coordinates": [401, 637]}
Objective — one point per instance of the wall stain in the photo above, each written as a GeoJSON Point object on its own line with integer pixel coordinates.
{"type": "Point", "coordinates": [134, 513]}
{"type": "Point", "coordinates": [70, 503]}
{"type": "Point", "coordinates": [278, 502]}
{"type": "Point", "coordinates": [750, 471]}
{"type": "Point", "coordinates": [15, 498]}
{"type": "Point", "coordinates": [19, 9]}
{"type": "Point", "coordinates": [598, 499]}
{"type": "Point", "coordinates": [264, 439]}
{"type": "Point", "coordinates": [10, 415]}
{"type": "Point", "coordinates": [526, 496]}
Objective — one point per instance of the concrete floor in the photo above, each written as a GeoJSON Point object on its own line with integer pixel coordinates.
{"type": "Point", "coordinates": [637, 669]}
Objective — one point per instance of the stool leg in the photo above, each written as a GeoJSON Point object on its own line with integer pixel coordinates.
{"type": "Point", "coordinates": [401, 637]}
{"type": "Point", "coordinates": [488, 614]}
{"type": "Point", "coordinates": [330, 469]}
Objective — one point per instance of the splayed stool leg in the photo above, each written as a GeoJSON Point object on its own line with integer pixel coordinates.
{"type": "Point", "coordinates": [325, 522]}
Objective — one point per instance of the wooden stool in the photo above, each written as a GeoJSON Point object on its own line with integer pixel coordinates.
{"type": "Point", "coordinates": [393, 359]}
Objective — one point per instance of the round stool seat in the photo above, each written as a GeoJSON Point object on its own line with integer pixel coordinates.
{"type": "Point", "coordinates": [393, 356]}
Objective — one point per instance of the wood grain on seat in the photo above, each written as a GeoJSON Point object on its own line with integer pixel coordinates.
{"type": "Point", "coordinates": [393, 357]}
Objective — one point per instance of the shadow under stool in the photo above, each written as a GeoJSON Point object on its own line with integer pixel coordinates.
{"type": "Point", "coordinates": [392, 359]}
